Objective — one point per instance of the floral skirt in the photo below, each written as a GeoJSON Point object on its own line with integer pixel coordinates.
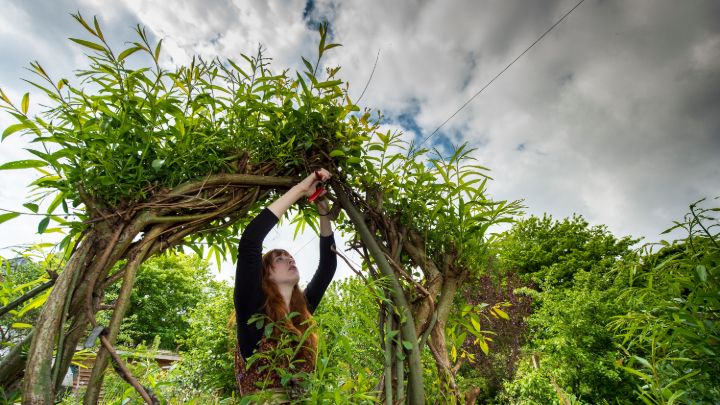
{"type": "Point", "coordinates": [247, 378]}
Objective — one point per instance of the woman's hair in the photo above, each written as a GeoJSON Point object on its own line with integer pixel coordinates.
{"type": "Point", "coordinates": [275, 308]}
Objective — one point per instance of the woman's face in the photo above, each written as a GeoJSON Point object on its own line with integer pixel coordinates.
{"type": "Point", "coordinates": [283, 270]}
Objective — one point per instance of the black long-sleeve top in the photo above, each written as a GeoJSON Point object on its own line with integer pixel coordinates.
{"type": "Point", "coordinates": [249, 296]}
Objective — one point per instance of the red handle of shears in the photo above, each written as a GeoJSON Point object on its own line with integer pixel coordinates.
{"type": "Point", "coordinates": [319, 190]}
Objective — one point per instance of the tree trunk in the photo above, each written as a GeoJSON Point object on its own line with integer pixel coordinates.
{"type": "Point", "coordinates": [437, 336]}
{"type": "Point", "coordinates": [123, 302]}
{"type": "Point", "coordinates": [76, 332]}
{"type": "Point", "coordinates": [37, 385]}
{"type": "Point", "coordinates": [416, 388]}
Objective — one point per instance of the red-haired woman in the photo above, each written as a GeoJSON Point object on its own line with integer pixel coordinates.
{"type": "Point", "coordinates": [268, 285]}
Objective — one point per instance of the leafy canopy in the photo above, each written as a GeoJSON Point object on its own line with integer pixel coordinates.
{"type": "Point", "coordinates": [129, 128]}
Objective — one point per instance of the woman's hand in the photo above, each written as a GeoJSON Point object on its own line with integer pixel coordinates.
{"type": "Point", "coordinates": [308, 186]}
{"type": "Point", "coordinates": [305, 188]}
{"type": "Point", "coordinates": [323, 207]}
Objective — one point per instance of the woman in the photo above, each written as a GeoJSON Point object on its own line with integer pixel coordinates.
{"type": "Point", "coordinates": [268, 285]}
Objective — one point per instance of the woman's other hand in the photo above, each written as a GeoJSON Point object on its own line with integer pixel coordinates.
{"type": "Point", "coordinates": [322, 207]}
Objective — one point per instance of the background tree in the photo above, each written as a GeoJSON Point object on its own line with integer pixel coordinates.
{"type": "Point", "coordinates": [569, 352]}
{"type": "Point", "coordinates": [207, 350]}
{"type": "Point", "coordinates": [18, 276]}
{"type": "Point", "coordinates": [167, 289]}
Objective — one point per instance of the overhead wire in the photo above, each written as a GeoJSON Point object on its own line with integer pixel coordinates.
{"type": "Point", "coordinates": [369, 78]}
{"type": "Point", "coordinates": [540, 38]}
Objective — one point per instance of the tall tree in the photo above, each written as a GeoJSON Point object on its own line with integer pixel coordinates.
{"type": "Point", "coordinates": [167, 289]}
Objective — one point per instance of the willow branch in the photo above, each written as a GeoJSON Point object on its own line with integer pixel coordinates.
{"type": "Point", "coordinates": [234, 179]}
{"type": "Point", "coordinates": [61, 339]}
{"type": "Point", "coordinates": [125, 372]}
{"type": "Point", "coordinates": [428, 329]}
{"type": "Point", "coordinates": [359, 274]}
{"type": "Point", "coordinates": [400, 364]}
{"type": "Point", "coordinates": [100, 265]}
{"type": "Point", "coordinates": [415, 247]}
{"type": "Point", "coordinates": [182, 218]}
{"type": "Point", "coordinates": [121, 305]}
{"type": "Point", "coordinates": [407, 277]}
{"type": "Point", "coordinates": [416, 391]}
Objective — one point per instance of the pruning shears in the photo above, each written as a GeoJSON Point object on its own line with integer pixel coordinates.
{"type": "Point", "coordinates": [320, 188]}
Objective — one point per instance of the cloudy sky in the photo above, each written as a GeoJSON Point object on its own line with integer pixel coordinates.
{"type": "Point", "coordinates": [610, 116]}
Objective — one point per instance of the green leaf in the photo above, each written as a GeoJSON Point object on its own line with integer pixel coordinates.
{"type": "Point", "coordinates": [501, 313]}
{"type": "Point", "coordinates": [36, 302]}
{"type": "Point", "coordinates": [701, 272]}
{"type": "Point", "coordinates": [4, 97]}
{"type": "Point", "coordinates": [475, 323]}
{"type": "Point", "coordinates": [8, 216]}
{"type": "Point", "coordinates": [82, 21]}
{"type": "Point", "coordinates": [637, 373]}
{"type": "Point", "coordinates": [484, 346]}
{"type": "Point", "coordinates": [329, 83]}
{"type": "Point", "coordinates": [23, 164]}
{"type": "Point", "coordinates": [308, 65]}
{"type": "Point", "coordinates": [25, 103]}
{"type": "Point", "coordinates": [336, 153]}
{"type": "Point", "coordinates": [91, 45]}
{"type": "Point", "coordinates": [124, 54]}
{"type": "Point", "coordinates": [12, 129]}
{"type": "Point", "coordinates": [158, 163]}
{"type": "Point", "coordinates": [644, 362]}
{"type": "Point", "coordinates": [323, 32]}
{"type": "Point", "coordinates": [42, 226]}
{"type": "Point", "coordinates": [32, 207]}
{"type": "Point", "coordinates": [331, 46]}
{"type": "Point", "coordinates": [97, 29]}
{"type": "Point", "coordinates": [157, 50]}
{"type": "Point", "coordinates": [407, 344]}
{"type": "Point", "coordinates": [55, 202]}
{"type": "Point", "coordinates": [21, 325]}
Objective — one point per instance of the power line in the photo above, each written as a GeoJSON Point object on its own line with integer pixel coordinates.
{"type": "Point", "coordinates": [370, 78]}
{"type": "Point", "coordinates": [304, 246]}
{"type": "Point", "coordinates": [314, 238]}
{"type": "Point", "coordinates": [502, 71]}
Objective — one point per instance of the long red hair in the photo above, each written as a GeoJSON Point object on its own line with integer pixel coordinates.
{"type": "Point", "coordinates": [275, 308]}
